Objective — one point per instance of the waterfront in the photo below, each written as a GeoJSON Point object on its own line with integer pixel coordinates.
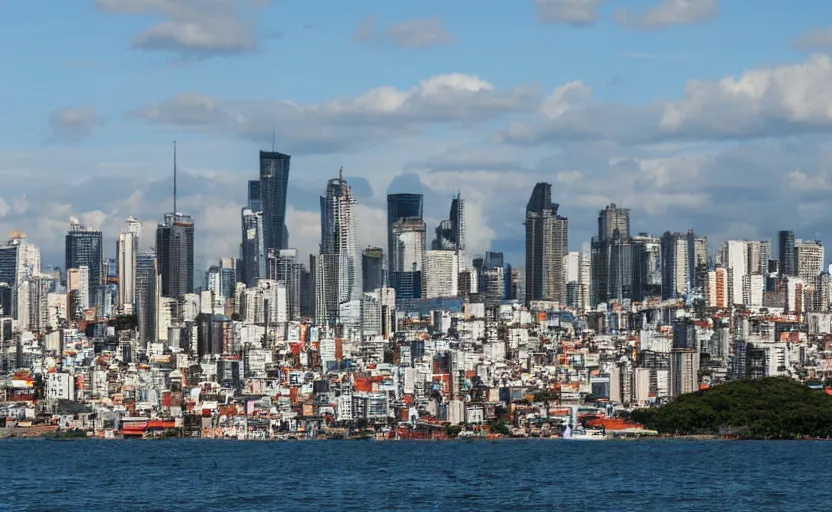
{"type": "Point", "coordinates": [412, 475]}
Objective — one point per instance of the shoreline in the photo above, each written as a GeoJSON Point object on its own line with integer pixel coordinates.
{"type": "Point", "coordinates": [52, 433]}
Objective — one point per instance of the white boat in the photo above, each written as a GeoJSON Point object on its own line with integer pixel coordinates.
{"type": "Point", "coordinates": [582, 434]}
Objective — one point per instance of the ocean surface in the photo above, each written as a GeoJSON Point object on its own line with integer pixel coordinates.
{"type": "Point", "coordinates": [201, 475]}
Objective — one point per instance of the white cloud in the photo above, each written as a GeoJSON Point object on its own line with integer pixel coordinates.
{"type": "Point", "coordinates": [377, 115]}
{"type": "Point", "coordinates": [785, 99]}
{"type": "Point", "coordinates": [193, 27]}
{"type": "Point", "coordinates": [574, 12]}
{"type": "Point", "coordinates": [670, 12]}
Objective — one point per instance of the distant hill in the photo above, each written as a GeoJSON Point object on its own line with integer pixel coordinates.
{"type": "Point", "coordinates": [772, 408]}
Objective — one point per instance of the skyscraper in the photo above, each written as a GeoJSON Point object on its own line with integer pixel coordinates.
{"type": "Point", "coordinates": [788, 267]}
{"type": "Point", "coordinates": [175, 255]}
{"type": "Point", "coordinates": [450, 234]}
{"type": "Point", "coordinates": [254, 202]}
{"type": "Point", "coordinates": [674, 264]}
{"type": "Point", "coordinates": [127, 248]}
{"type": "Point", "coordinates": [338, 237]}
{"type": "Point", "coordinates": [18, 259]}
{"type": "Point", "coordinates": [84, 248]}
{"type": "Point", "coordinates": [546, 245]}
{"type": "Point", "coordinates": [253, 248]}
{"type": "Point", "coordinates": [147, 296]}
{"type": "Point", "coordinates": [284, 266]}
{"type": "Point", "coordinates": [407, 246]}
{"type": "Point", "coordinates": [400, 206]}
{"type": "Point", "coordinates": [612, 257]}
{"type": "Point", "coordinates": [274, 185]}
{"type": "Point", "coordinates": [372, 269]}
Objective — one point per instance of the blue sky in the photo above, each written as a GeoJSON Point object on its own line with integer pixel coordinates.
{"type": "Point", "coordinates": [693, 113]}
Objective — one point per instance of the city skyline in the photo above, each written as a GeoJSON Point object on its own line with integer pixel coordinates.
{"type": "Point", "coordinates": [628, 126]}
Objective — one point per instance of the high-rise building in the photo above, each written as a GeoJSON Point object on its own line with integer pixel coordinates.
{"type": "Point", "coordinates": [407, 246]}
{"type": "Point", "coordinates": [674, 264]}
{"type": "Point", "coordinates": [274, 185]}
{"type": "Point", "coordinates": [127, 248]}
{"type": "Point", "coordinates": [647, 268]}
{"type": "Point", "coordinates": [440, 274]}
{"type": "Point", "coordinates": [78, 280]}
{"type": "Point", "coordinates": [808, 255]}
{"type": "Point", "coordinates": [283, 266]}
{"type": "Point", "coordinates": [84, 248]}
{"type": "Point", "coordinates": [612, 257]}
{"type": "Point", "coordinates": [450, 234]}
{"type": "Point", "coordinates": [372, 269]}
{"type": "Point", "coordinates": [759, 253]}
{"type": "Point", "coordinates": [18, 259]}
{"type": "Point", "coordinates": [546, 245]}
{"type": "Point", "coordinates": [339, 238]}
{"type": "Point", "coordinates": [175, 255]}
{"type": "Point", "coordinates": [254, 203]}
{"type": "Point", "coordinates": [147, 296]}
{"type": "Point", "coordinates": [788, 266]}
{"type": "Point", "coordinates": [733, 255]}
{"type": "Point", "coordinates": [613, 219]}
{"type": "Point", "coordinates": [400, 206]}
{"type": "Point", "coordinates": [253, 248]}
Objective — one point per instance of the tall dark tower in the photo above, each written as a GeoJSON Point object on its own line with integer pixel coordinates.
{"type": "Point", "coordinates": [788, 266]}
{"type": "Point", "coordinates": [175, 254]}
{"type": "Point", "coordinates": [546, 245]}
{"type": "Point", "coordinates": [175, 249]}
{"type": "Point", "coordinates": [84, 248]}
{"type": "Point", "coordinates": [274, 184]}
{"type": "Point", "coordinates": [400, 206]}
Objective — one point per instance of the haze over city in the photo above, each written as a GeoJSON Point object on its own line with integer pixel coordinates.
{"type": "Point", "coordinates": [681, 111]}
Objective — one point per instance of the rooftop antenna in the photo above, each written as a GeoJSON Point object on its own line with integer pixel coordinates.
{"type": "Point", "coordinates": [174, 178]}
{"type": "Point", "coordinates": [272, 137]}
{"type": "Point", "coordinates": [341, 174]}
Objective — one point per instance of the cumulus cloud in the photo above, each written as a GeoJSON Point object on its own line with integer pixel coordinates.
{"type": "Point", "coordinates": [377, 115]}
{"type": "Point", "coordinates": [73, 124]}
{"type": "Point", "coordinates": [416, 33]}
{"type": "Point", "coordinates": [193, 27]}
{"type": "Point", "coordinates": [670, 12]}
{"type": "Point", "coordinates": [573, 12]}
{"type": "Point", "coordinates": [786, 99]}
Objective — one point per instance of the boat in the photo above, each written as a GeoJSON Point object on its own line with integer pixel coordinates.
{"type": "Point", "coordinates": [582, 434]}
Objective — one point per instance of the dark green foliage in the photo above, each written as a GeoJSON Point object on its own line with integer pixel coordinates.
{"type": "Point", "coordinates": [500, 427]}
{"type": "Point", "coordinates": [772, 408]}
{"type": "Point", "coordinates": [452, 430]}
{"type": "Point", "coordinates": [545, 396]}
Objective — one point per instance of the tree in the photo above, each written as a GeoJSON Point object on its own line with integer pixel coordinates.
{"type": "Point", "coordinates": [453, 430]}
{"type": "Point", "coordinates": [499, 427]}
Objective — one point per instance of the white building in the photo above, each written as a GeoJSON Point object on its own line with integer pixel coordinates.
{"type": "Point", "coordinates": [60, 386]}
{"type": "Point", "coordinates": [339, 238]}
{"type": "Point", "coordinates": [753, 289]}
{"type": "Point", "coordinates": [733, 255]}
{"type": "Point", "coordinates": [809, 259]}
{"type": "Point", "coordinates": [440, 274]}
{"type": "Point", "coordinates": [127, 248]}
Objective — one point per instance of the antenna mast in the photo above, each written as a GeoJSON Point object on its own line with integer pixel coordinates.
{"type": "Point", "coordinates": [174, 178]}
{"type": "Point", "coordinates": [272, 137]}
{"type": "Point", "coordinates": [341, 174]}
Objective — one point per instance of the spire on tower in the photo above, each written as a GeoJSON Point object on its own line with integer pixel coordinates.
{"type": "Point", "coordinates": [174, 178]}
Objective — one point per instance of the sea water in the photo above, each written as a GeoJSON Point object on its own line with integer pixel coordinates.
{"type": "Point", "coordinates": [202, 475]}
